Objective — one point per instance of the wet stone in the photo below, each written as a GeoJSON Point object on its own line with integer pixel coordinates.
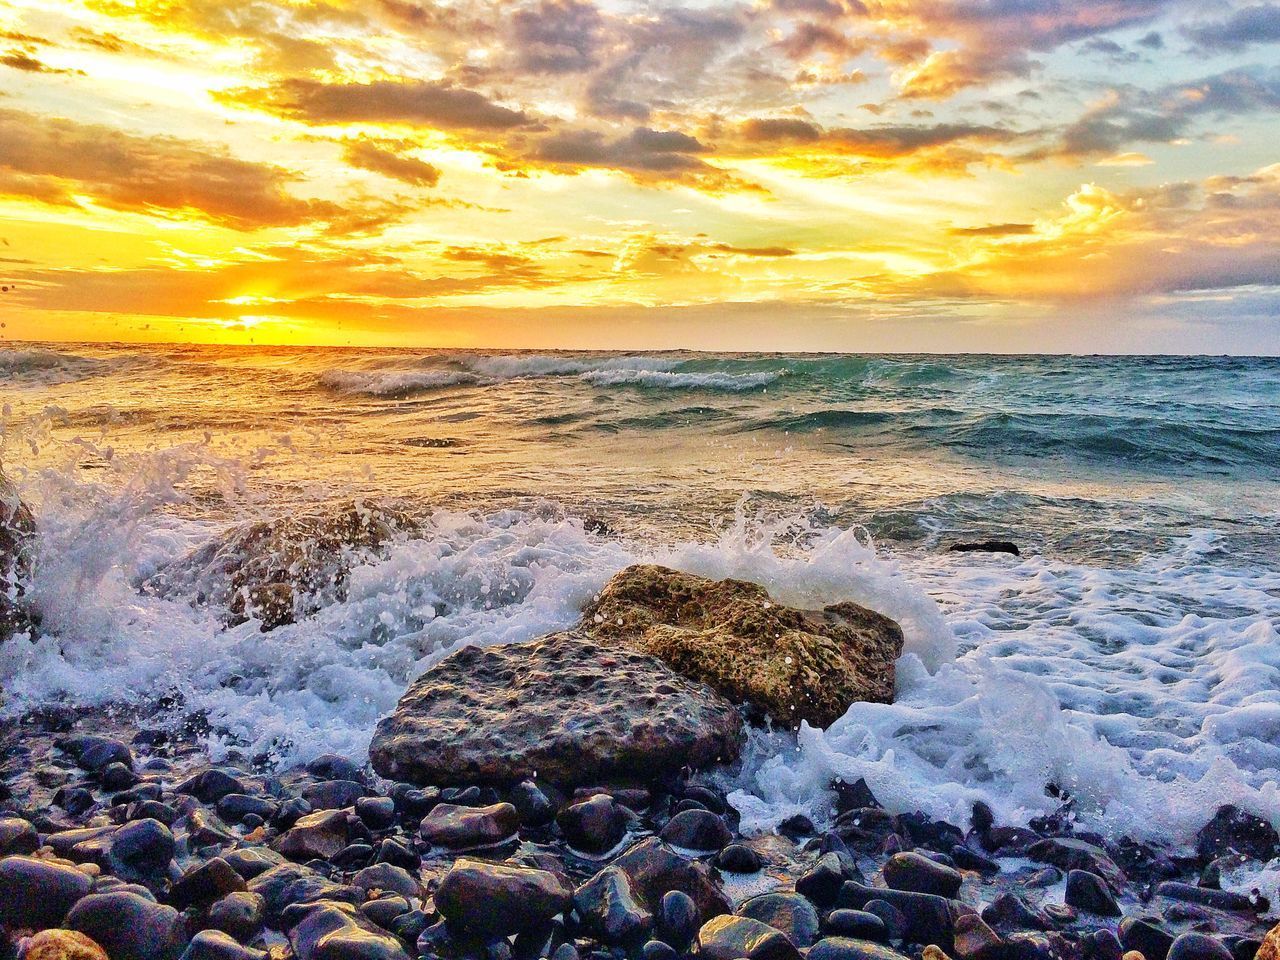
{"type": "Point", "coordinates": [610, 908]}
{"type": "Point", "coordinates": [1198, 946]}
{"type": "Point", "coordinates": [217, 945]}
{"type": "Point", "coordinates": [130, 927]}
{"type": "Point", "coordinates": [377, 813]}
{"type": "Point", "coordinates": [330, 930]}
{"type": "Point", "coordinates": [821, 883]}
{"type": "Point", "coordinates": [857, 924]}
{"type": "Point", "coordinates": [17, 836]}
{"type": "Point", "coordinates": [741, 938]}
{"type": "Point", "coordinates": [386, 877]}
{"type": "Point", "coordinates": [847, 948]}
{"type": "Point", "coordinates": [205, 883]}
{"type": "Point", "coordinates": [788, 912]}
{"type": "Point", "coordinates": [1089, 892]}
{"type": "Point", "coordinates": [333, 794]}
{"type": "Point", "coordinates": [1145, 937]}
{"type": "Point", "coordinates": [317, 836]}
{"type": "Point", "coordinates": [595, 825]}
{"type": "Point", "coordinates": [38, 893]}
{"type": "Point", "coordinates": [234, 807]}
{"type": "Point", "coordinates": [331, 766]}
{"type": "Point", "coordinates": [677, 920]}
{"type": "Point", "coordinates": [460, 828]}
{"type": "Point", "coordinates": [1234, 829]}
{"type": "Point", "coordinates": [496, 900]}
{"type": "Point", "coordinates": [697, 830]}
{"type": "Point", "coordinates": [240, 915]}
{"type": "Point", "coordinates": [738, 858]}
{"type": "Point", "coordinates": [919, 874]}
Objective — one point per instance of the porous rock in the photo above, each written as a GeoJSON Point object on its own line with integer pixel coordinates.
{"type": "Point", "coordinates": [792, 664]}
{"type": "Point", "coordinates": [566, 709]}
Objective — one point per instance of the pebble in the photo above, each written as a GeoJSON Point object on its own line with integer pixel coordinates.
{"type": "Point", "coordinates": [1219, 899]}
{"type": "Point", "coordinates": [240, 915]}
{"type": "Point", "coordinates": [1089, 892]}
{"type": "Point", "coordinates": [458, 828]}
{"type": "Point", "coordinates": [129, 926]}
{"type": "Point", "coordinates": [1234, 829]}
{"type": "Point", "coordinates": [1144, 937]}
{"type": "Point", "coordinates": [609, 907]}
{"type": "Point", "coordinates": [317, 836]}
{"type": "Point", "coordinates": [533, 805]}
{"type": "Point", "coordinates": [821, 883]}
{"type": "Point", "coordinates": [38, 893]}
{"type": "Point", "coordinates": [388, 878]}
{"type": "Point", "coordinates": [331, 766]}
{"type": "Point", "coordinates": [697, 830]}
{"type": "Point", "coordinates": [739, 858]}
{"type": "Point", "coordinates": [595, 825]}
{"type": "Point", "coordinates": [740, 938]}
{"type": "Point", "coordinates": [846, 948]}
{"type": "Point", "coordinates": [678, 919]}
{"type": "Point", "coordinates": [17, 836]}
{"type": "Point", "coordinates": [333, 794]}
{"type": "Point", "coordinates": [377, 813]}
{"type": "Point", "coordinates": [919, 874]}
{"type": "Point", "coordinates": [788, 912]}
{"type": "Point", "coordinates": [331, 930]}
{"type": "Point", "coordinates": [216, 945]}
{"type": "Point", "coordinates": [496, 900]}
{"type": "Point", "coordinates": [858, 924]}
{"type": "Point", "coordinates": [205, 883]}
{"type": "Point", "coordinates": [1198, 946]}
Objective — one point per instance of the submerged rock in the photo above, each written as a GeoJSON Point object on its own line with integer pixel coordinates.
{"type": "Point", "coordinates": [17, 532]}
{"type": "Point", "coordinates": [278, 571]}
{"type": "Point", "coordinates": [565, 709]}
{"type": "Point", "coordinates": [986, 546]}
{"type": "Point", "coordinates": [729, 634]}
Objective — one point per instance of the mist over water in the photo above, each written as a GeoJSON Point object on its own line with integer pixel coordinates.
{"type": "Point", "coordinates": [1130, 656]}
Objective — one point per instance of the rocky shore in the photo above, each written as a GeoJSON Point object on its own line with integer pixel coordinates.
{"type": "Point", "coordinates": [556, 799]}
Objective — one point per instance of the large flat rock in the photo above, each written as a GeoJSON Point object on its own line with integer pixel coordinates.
{"type": "Point", "coordinates": [566, 708]}
{"type": "Point", "coordinates": [731, 635]}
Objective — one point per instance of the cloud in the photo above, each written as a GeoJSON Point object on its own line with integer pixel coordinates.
{"type": "Point", "coordinates": [994, 230]}
{"type": "Point", "coordinates": [1244, 28]}
{"type": "Point", "coordinates": [56, 161]}
{"type": "Point", "coordinates": [558, 36]}
{"type": "Point", "coordinates": [1130, 115]}
{"type": "Point", "coordinates": [643, 149]}
{"type": "Point", "coordinates": [20, 60]}
{"type": "Point", "coordinates": [412, 102]}
{"type": "Point", "coordinates": [387, 158]}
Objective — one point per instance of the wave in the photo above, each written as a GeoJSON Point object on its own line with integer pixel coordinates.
{"type": "Point", "coordinates": [394, 384]}
{"type": "Point", "coordinates": [661, 379]}
{"type": "Point", "coordinates": [47, 367]}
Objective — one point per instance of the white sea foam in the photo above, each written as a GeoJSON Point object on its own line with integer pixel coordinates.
{"type": "Point", "coordinates": [519, 366]}
{"type": "Point", "coordinates": [1150, 693]}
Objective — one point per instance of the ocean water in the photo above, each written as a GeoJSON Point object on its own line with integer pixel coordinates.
{"type": "Point", "coordinates": [1129, 656]}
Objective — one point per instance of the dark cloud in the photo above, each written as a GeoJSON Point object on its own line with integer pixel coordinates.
{"type": "Point", "coordinates": [993, 230]}
{"type": "Point", "coordinates": [414, 102]}
{"type": "Point", "coordinates": [558, 36]}
{"type": "Point", "coordinates": [387, 158]}
{"type": "Point", "coordinates": [55, 161]}
{"type": "Point", "coordinates": [1245, 27]}
{"type": "Point", "coordinates": [21, 60]}
{"type": "Point", "coordinates": [652, 151]}
{"type": "Point", "coordinates": [773, 129]}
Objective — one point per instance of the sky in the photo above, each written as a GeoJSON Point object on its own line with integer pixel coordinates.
{"type": "Point", "coordinates": [931, 175]}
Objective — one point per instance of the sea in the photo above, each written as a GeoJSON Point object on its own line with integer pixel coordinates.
{"type": "Point", "coordinates": [1128, 657]}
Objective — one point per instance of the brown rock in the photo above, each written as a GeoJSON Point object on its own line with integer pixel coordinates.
{"type": "Point", "coordinates": [279, 570]}
{"type": "Point", "coordinates": [565, 709]}
{"type": "Point", "coordinates": [449, 825]}
{"type": "Point", "coordinates": [794, 664]}
{"type": "Point", "coordinates": [317, 836]}
{"type": "Point", "coordinates": [1270, 949]}
{"type": "Point", "coordinates": [62, 945]}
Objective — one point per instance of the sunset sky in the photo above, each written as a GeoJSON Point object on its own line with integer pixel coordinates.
{"type": "Point", "coordinates": [779, 174]}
